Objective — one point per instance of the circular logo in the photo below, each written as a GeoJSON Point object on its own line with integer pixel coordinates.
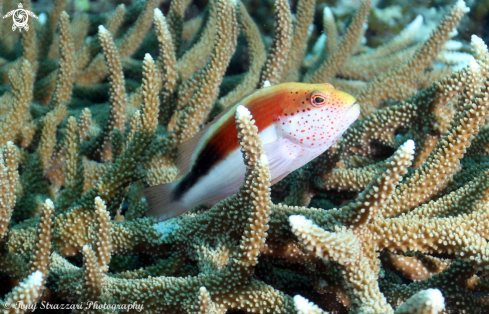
{"type": "Point", "coordinates": [20, 18]}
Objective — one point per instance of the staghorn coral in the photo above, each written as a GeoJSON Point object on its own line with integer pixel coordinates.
{"type": "Point", "coordinates": [391, 219]}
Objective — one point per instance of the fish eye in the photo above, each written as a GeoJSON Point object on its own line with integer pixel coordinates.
{"type": "Point", "coordinates": [318, 100]}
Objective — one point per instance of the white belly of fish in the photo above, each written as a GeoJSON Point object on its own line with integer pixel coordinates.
{"type": "Point", "coordinates": [227, 176]}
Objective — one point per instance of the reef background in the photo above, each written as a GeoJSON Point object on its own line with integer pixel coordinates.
{"type": "Point", "coordinates": [96, 97]}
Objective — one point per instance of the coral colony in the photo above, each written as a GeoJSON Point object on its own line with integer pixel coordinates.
{"type": "Point", "coordinates": [393, 218]}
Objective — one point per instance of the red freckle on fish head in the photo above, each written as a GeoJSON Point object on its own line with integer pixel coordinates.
{"type": "Point", "coordinates": [290, 121]}
{"type": "Point", "coordinates": [307, 137]}
{"type": "Point", "coordinates": [303, 131]}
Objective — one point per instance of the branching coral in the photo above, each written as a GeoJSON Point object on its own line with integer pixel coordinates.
{"type": "Point", "coordinates": [391, 219]}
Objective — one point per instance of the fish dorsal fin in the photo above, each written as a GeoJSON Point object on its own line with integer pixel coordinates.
{"type": "Point", "coordinates": [187, 148]}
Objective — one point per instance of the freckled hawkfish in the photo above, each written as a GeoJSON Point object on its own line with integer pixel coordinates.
{"type": "Point", "coordinates": [296, 123]}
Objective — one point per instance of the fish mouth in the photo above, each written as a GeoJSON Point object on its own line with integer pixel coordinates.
{"type": "Point", "coordinates": [353, 111]}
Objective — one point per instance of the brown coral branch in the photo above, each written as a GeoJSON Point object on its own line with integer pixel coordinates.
{"type": "Point", "coordinates": [42, 250]}
{"type": "Point", "coordinates": [210, 76]}
{"type": "Point", "coordinates": [65, 76]}
{"type": "Point", "coordinates": [381, 88]}
{"type": "Point", "coordinates": [167, 65]}
{"type": "Point", "coordinates": [8, 181]}
{"type": "Point", "coordinates": [103, 245]}
{"type": "Point", "coordinates": [331, 65]}
{"type": "Point", "coordinates": [303, 18]}
{"type": "Point", "coordinates": [257, 55]}
{"type": "Point", "coordinates": [117, 92]}
{"type": "Point", "coordinates": [277, 56]}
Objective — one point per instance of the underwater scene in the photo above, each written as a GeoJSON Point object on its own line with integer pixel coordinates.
{"type": "Point", "coordinates": [244, 156]}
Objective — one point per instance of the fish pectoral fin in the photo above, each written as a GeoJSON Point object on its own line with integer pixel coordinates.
{"type": "Point", "coordinates": [185, 152]}
{"type": "Point", "coordinates": [281, 155]}
{"type": "Point", "coordinates": [269, 135]}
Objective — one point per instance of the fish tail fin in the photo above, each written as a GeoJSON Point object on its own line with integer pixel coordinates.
{"type": "Point", "coordinates": [161, 202]}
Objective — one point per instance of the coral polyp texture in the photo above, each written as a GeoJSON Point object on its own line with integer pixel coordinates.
{"type": "Point", "coordinates": [393, 218]}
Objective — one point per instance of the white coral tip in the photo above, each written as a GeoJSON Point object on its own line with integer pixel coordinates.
{"type": "Point", "coordinates": [303, 306]}
{"type": "Point", "coordinates": [476, 40]}
{"type": "Point", "coordinates": [319, 44]}
{"type": "Point", "coordinates": [48, 202]}
{"type": "Point", "coordinates": [408, 146]}
{"type": "Point", "coordinates": [300, 302]}
{"type": "Point", "coordinates": [436, 298]}
{"type": "Point", "coordinates": [461, 5]}
{"type": "Point", "coordinates": [425, 301]}
{"type": "Point", "coordinates": [452, 45]}
{"type": "Point", "coordinates": [102, 29]}
{"type": "Point", "coordinates": [478, 44]}
{"type": "Point", "coordinates": [297, 221]}
{"type": "Point", "coordinates": [35, 279]}
{"type": "Point", "coordinates": [327, 13]}
{"type": "Point", "coordinates": [242, 111]}
{"type": "Point", "coordinates": [158, 13]}
{"type": "Point", "coordinates": [267, 83]}
{"type": "Point", "coordinates": [415, 24]}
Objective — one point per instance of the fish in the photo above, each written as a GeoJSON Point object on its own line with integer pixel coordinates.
{"type": "Point", "coordinates": [296, 123]}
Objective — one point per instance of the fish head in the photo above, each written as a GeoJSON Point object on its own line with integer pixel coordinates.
{"type": "Point", "coordinates": [316, 115]}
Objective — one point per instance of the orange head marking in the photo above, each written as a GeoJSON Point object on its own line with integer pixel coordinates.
{"type": "Point", "coordinates": [315, 114]}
